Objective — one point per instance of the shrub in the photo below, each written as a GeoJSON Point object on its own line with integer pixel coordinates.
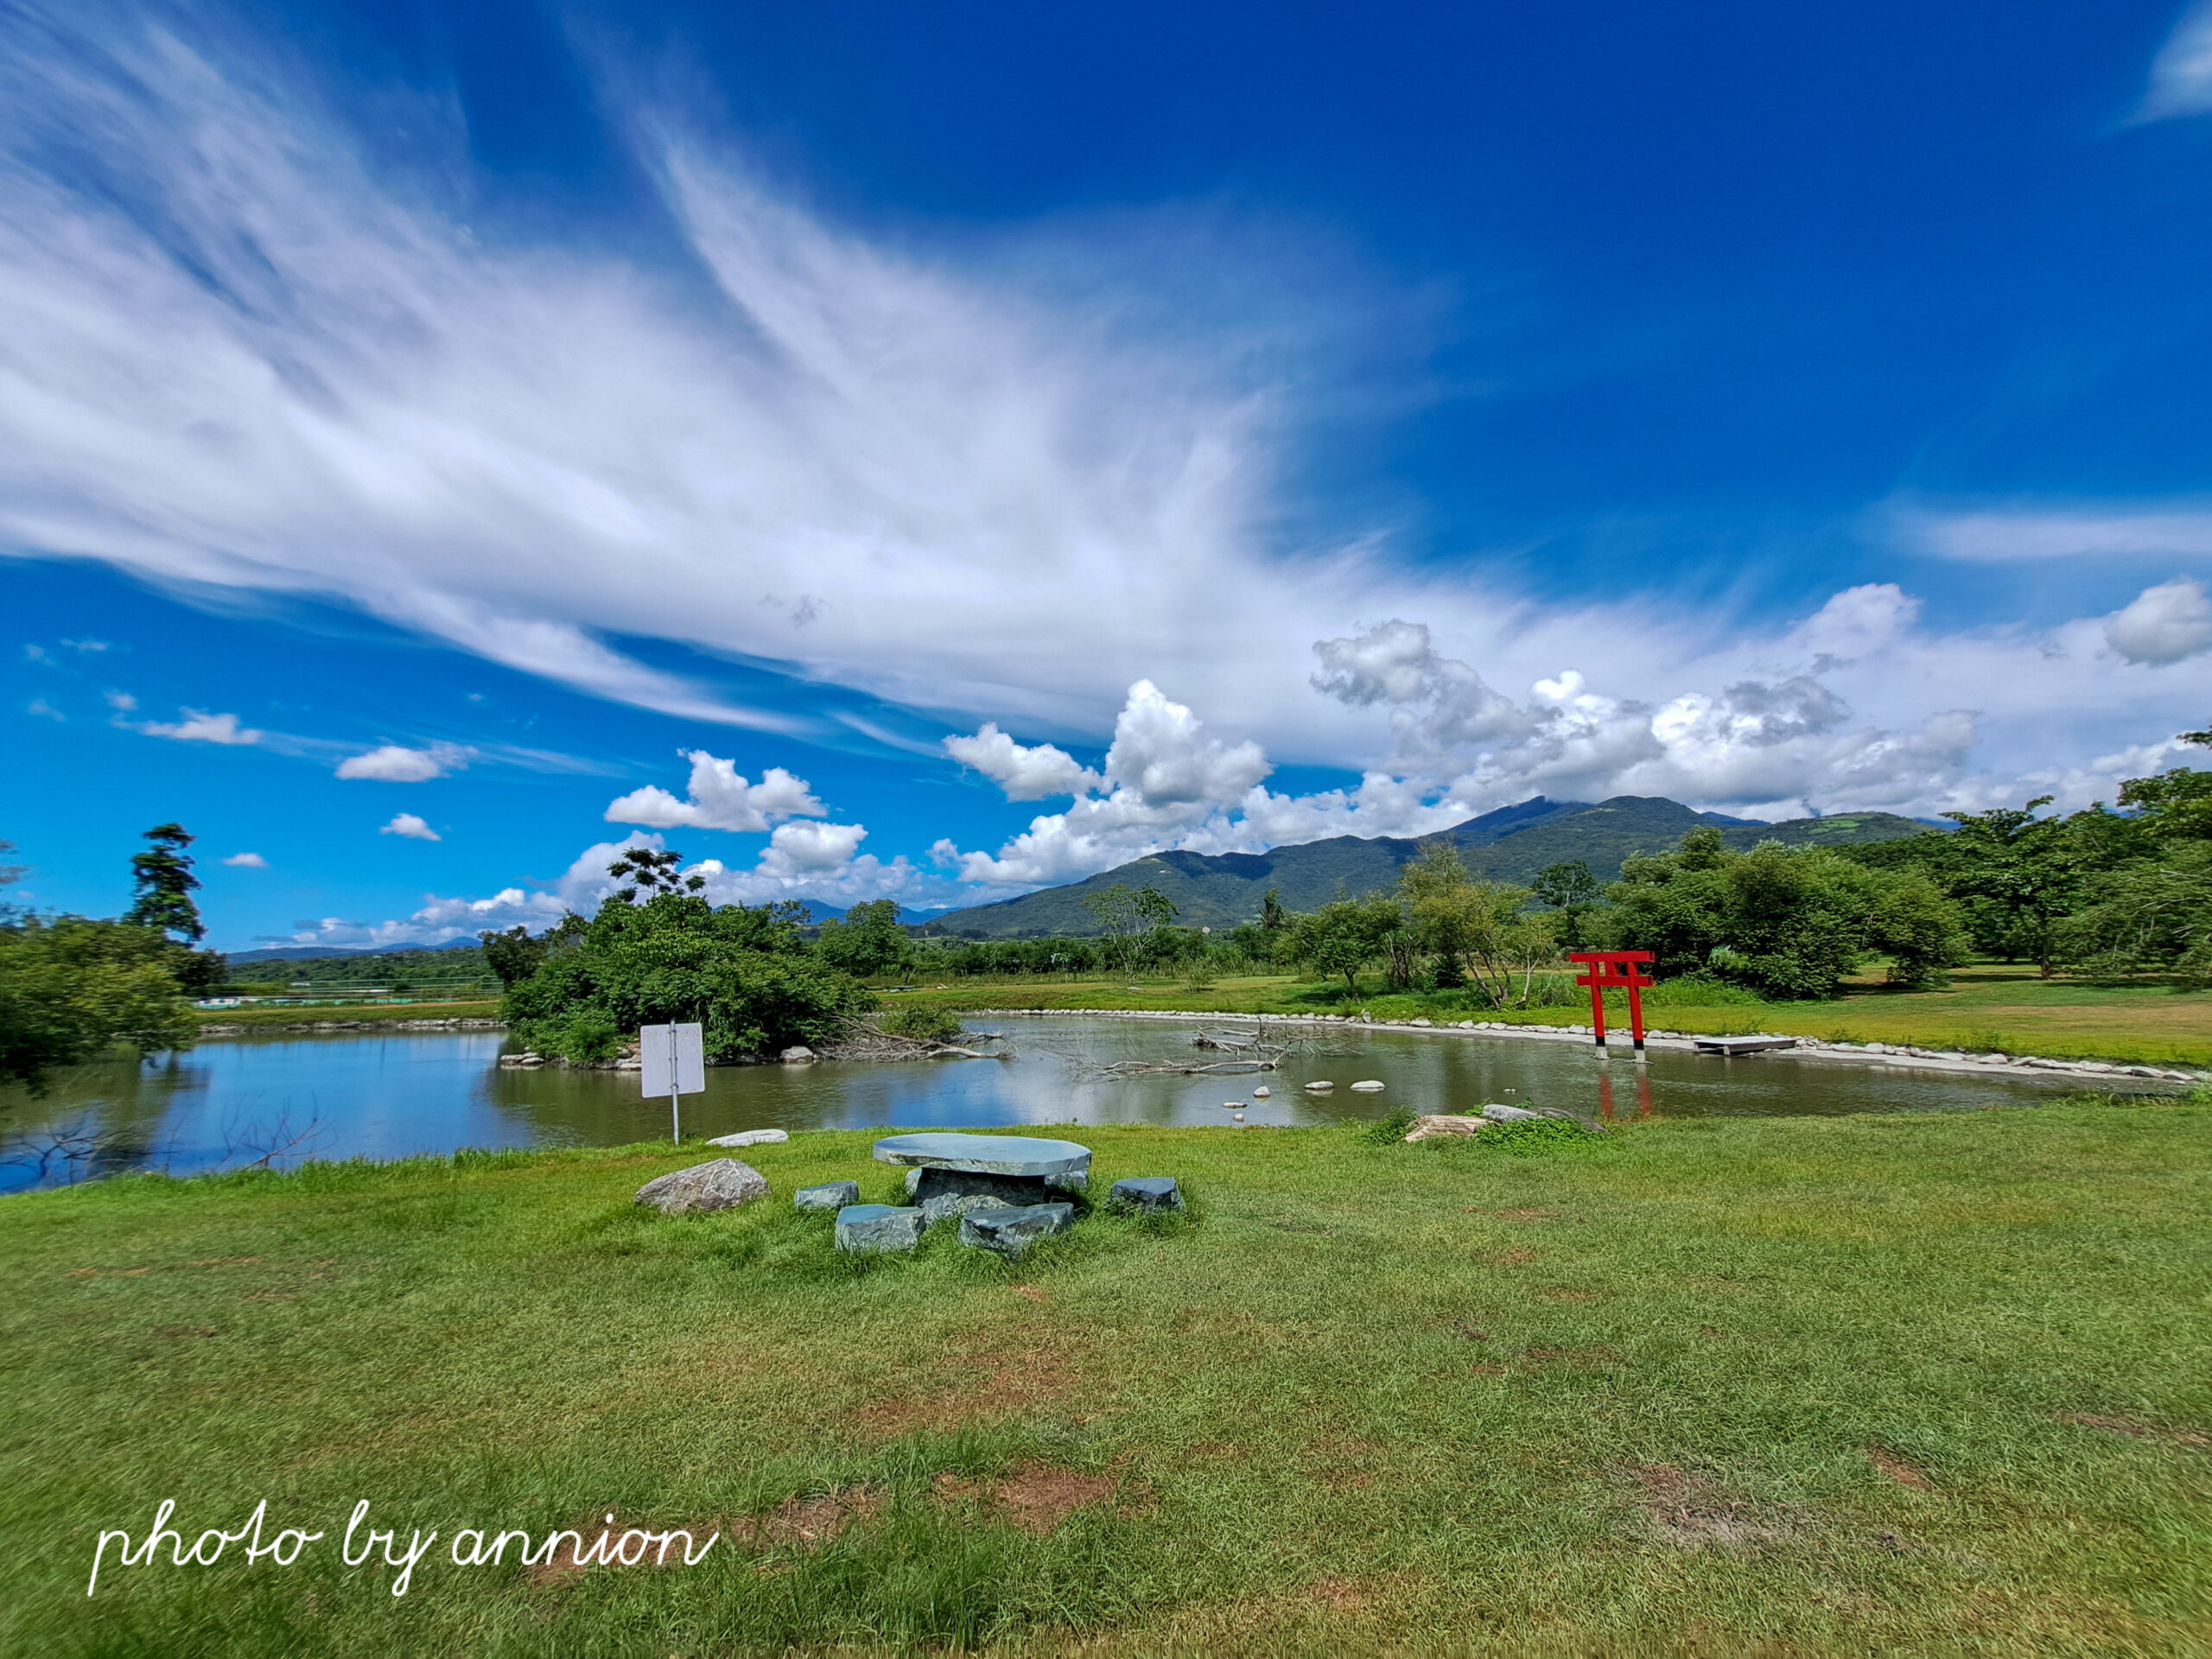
{"type": "Point", "coordinates": [922, 1022]}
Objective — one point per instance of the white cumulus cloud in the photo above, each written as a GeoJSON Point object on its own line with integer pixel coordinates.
{"type": "Point", "coordinates": [2165, 624]}
{"type": "Point", "coordinates": [719, 797]}
{"type": "Point", "coordinates": [395, 764]}
{"type": "Point", "coordinates": [407, 824]}
{"type": "Point", "coordinates": [200, 727]}
{"type": "Point", "coordinates": [1025, 772]}
{"type": "Point", "coordinates": [246, 862]}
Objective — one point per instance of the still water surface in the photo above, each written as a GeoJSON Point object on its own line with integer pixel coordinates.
{"type": "Point", "coordinates": [289, 1097]}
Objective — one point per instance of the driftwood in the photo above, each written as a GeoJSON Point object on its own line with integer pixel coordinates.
{"type": "Point", "coordinates": [861, 1041]}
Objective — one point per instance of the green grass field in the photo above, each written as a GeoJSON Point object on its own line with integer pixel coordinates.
{"type": "Point", "coordinates": [1988, 1007]}
{"type": "Point", "coordinates": [1899, 1385]}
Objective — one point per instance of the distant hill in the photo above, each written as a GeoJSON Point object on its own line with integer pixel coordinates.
{"type": "Point", "coordinates": [295, 953]}
{"type": "Point", "coordinates": [1511, 844]}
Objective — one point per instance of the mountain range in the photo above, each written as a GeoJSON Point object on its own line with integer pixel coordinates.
{"type": "Point", "coordinates": [1511, 844]}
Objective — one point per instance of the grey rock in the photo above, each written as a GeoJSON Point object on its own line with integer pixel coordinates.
{"type": "Point", "coordinates": [1508, 1114]}
{"type": "Point", "coordinates": [1010, 1231]}
{"type": "Point", "coordinates": [932, 1184]}
{"type": "Point", "coordinates": [830, 1195]}
{"type": "Point", "coordinates": [1146, 1194]}
{"type": "Point", "coordinates": [872, 1227]}
{"type": "Point", "coordinates": [913, 1180]}
{"type": "Point", "coordinates": [750, 1138]}
{"type": "Point", "coordinates": [950, 1206]}
{"type": "Point", "coordinates": [722, 1185]}
{"type": "Point", "coordinates": [796, 1054]}
{"type": "Point", "coordinates": [1367, 1086]}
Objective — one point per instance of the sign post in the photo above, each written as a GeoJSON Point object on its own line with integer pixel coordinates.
{"type": "Point", "coordinates": [671, 1061]}
{"type": "Point", "coordinates": [1606, 971]}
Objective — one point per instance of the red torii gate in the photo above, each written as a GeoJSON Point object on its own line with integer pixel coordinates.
{"type": "Point", "coordinates": [1612, 970]}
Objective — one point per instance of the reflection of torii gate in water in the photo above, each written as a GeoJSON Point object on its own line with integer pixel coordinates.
{"type": "Point", "coordinates": [1605, 1109]}
{"type": "Point", "coordinates": [1616, 970]}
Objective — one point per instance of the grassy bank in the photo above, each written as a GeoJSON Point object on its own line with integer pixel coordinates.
{"type": "Point", "coordinates": [382, 1014]}
{"type": "Point", "coordinates": [1990, 1007]}
{"type": "Point", "coordinates": [1928, 1384]}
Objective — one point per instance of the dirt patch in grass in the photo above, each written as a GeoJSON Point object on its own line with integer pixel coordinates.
{"type": "Point", "coordinates": [1031, 1292]}
{"type": "Point", "coordinates": [1037, 1496]}
{"type": "Point", "coordinates": [1524, 1215]}
{"type": "Point", "coordinates": [1596, 1354]}
{"type": "Point", "coordinates": [1685, 1510]}
{"type": "Point", "coordinates": [978, 1387]}
{"type": "Point", "coordinates": [2136, 1429]}
{"type": "Point", "coordinates": [1514, 1258]}
{"type": "Point", "coordinates": [1902, 1471]}
{"type": "Point", "coordinates": [807, 1521]}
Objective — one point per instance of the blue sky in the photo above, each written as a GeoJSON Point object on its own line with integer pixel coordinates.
{"type": "Point", "coordinates": [929, 452]}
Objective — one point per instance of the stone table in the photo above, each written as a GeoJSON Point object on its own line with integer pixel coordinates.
{"type": "Point", "coordinates": [1016, 1168]}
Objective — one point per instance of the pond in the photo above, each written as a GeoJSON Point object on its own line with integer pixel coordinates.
{"type": "Point", "coordinates": [284, 1098]}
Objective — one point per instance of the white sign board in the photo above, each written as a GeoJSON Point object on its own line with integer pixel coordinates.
{"type": "Point", "coordinates": [671, 1061]}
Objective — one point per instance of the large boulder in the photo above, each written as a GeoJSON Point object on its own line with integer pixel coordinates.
{"type": "Point", "coordinates": [950, 1206]}
{"type": "Point", "coordinates": [1509, 1114]}
{"type": "Point", "coordinates": [1010, 1231]}
{"type": "Point", "coordinates": [866, 1227]}
{"type": "Point", "coordinates": [750, 1138]}
{"type": "Point", "coordinates": [722, 1185]}
{"type": "Point", "coordinates": [981, 1184]}
{"type": "Point", "coordinates": [1145, 1194]}
{"type": "Point", "coordinates": [1439, 1124]}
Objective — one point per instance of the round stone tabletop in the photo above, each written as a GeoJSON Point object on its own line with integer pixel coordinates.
{"type": "Point", "coordinates": [985, 1155]}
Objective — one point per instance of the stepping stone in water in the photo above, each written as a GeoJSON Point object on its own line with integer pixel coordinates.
{"type": "Point", "coordinates": [830, 1195]}
{"type": "Point", "coordinates": [1367, 1086]}
{"type": "Point", "coordinates": [873, 1227]}
{"type": "Point", "coordinates": [1011, 1231]}
{"type": "Point", "coordinates": [722, 1185]}
{"type": "Point", "coordinates": [1321, 1088]}
{"type": "Point", "coordinates": [1146, 1194]}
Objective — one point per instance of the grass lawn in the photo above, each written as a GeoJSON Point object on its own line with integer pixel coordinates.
{"type": "Point", "coordinates": [1988, 1007]}
{"type": "Point", "coordinates": [1913, 1384]}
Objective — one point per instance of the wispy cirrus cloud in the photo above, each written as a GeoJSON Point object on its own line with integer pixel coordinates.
{"type": "Point", "coordinates": [2181, 74]}
{"type": "Point", "coordinates": [1000, 480]}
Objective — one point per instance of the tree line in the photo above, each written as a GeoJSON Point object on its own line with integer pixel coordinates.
{"type": "Point", "coordinates": [73, 987]}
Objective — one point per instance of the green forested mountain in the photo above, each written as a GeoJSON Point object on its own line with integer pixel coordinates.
{"type": "Point", "coordinates": [1511, 844]}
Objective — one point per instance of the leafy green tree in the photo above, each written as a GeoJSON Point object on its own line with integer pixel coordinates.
{"type": "Point", "coordinates": [743, 972]}
{"type": "Point", "coordinates": [162, 880]}
{"type": "Point", "coordinates": [1126, 917]}
{"type": "Point", "coordinates": [1345, 937]}
{"type": "Point", "coordinates": [652, 871]}
{"type": "Point", "coordinates": [2148, 914]}
{"type": "Point", "coordinates": [1570, 892]}
{"type": "Point", "coordinates": [2175, 805]}
{"type": "Point", "coordinates": [512, 954]}
{"type": "Point", "coordinates": [869, 940]}
{"type": "Point", "coordinates": [1483, 930]}
{"type": "Point", "coordinates": [1786, 922]}
{"type": "Point", "coordinates": [70, 989]}
{"type": "Point", "coordinates": [2019, 873]}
